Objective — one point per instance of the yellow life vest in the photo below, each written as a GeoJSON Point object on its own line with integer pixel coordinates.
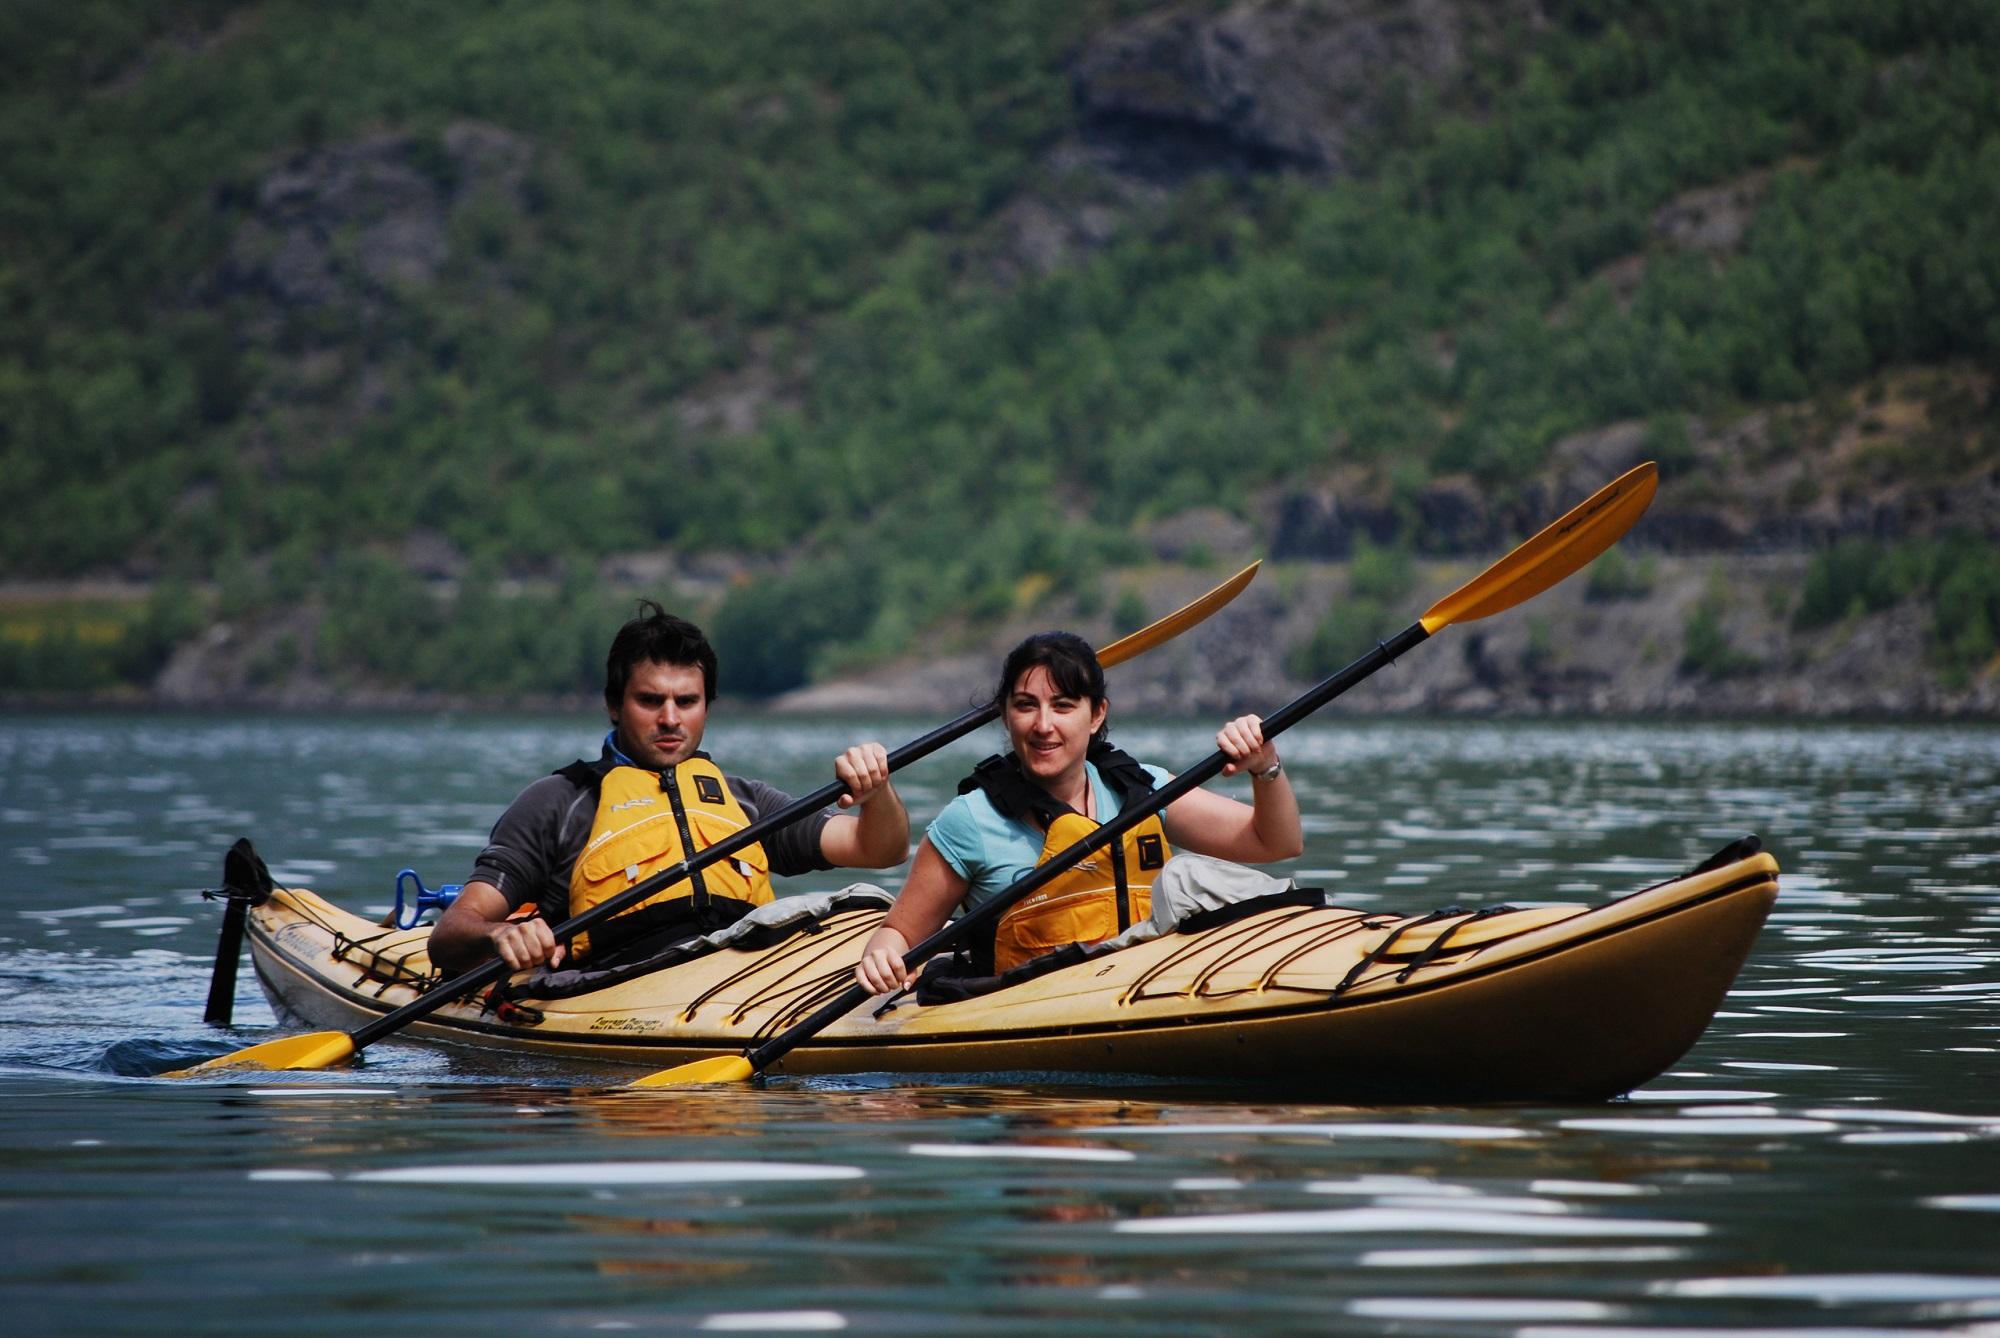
{"type": "Point", "coordinates": [1103, 895]}
{"type": "Point", "coordinates": [652, 820]}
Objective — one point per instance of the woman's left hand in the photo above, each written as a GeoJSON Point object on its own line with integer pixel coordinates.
{"type": "Point", "coordinates": [1242, 741]}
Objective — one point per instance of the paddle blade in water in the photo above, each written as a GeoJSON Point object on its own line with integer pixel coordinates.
{"type": "Point", "coordinates": [1566, 547]}
{"type": "Point", "coordinates": [723, 1068]}
{"type": "Point", "coordinates": [318, 1050]}
{"type": "Point", "coordinates": [1171, 626]}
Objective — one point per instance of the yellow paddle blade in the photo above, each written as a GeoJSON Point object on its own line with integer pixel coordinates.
{"type": "Point", "coordinates": [1565, 547]}
{"type": "Point", "coordinates": [723, 1068]}
{"type": "Point", "coordinates": [1171, 626]}
{"type": "Point", "coordinates": [319, 1050]}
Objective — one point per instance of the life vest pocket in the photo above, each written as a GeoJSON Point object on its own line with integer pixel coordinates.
{"type": "Point", "coordinates": [1055, 919]}
{"type": "Point", "coordinates": [751, 864]}
{"type": "Point", "coordinates": [629, 854]}
{"type": "Point", "coordinates": [645, 849]}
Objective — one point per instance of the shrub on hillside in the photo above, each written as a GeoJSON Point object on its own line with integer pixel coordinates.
{"type": "Point", "coordinates": [1706, 649]}
{"type": "Point", "coordinates": [1958, 576]}
{"type": "Point", "coordinates": [1616, 576]}
{"type": "Point", "coordinates": [377, 617]}
{"type": "Point", "coordinates": [770, 633]}
{"type": "Point", "coordinates": [1965, 621]}
{"type": "Point", "coordinates": [1854, 576]}
{"type": "Point", "coordinates": [1378, 580]}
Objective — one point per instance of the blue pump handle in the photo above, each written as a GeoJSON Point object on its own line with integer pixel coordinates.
{"type": "Point", "coordinates": [426, 899]}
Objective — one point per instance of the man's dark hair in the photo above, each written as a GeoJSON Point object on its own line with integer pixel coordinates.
{"type": "Point", "coordinates": [658, 637]}
{"type": "Point", "coordinates": [1072, 666]}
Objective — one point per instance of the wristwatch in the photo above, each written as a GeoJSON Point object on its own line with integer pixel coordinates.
{"type": "Point", "coordinates": [1270, 773]}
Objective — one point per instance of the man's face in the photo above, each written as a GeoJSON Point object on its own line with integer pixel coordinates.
{"type": "Point", "coordinates": [665, 709]}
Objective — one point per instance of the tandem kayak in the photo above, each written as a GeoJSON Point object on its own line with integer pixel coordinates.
{"type": "Point", "coordinates": [1541, 1002]}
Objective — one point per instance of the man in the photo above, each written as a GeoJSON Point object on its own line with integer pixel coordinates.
{"type": "Point", "coordinates": [574, 839]}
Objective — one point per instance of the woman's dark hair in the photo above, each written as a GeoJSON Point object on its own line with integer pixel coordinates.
{"type": "Point", "coordinates": [658, 637]}
{"type": "Point", "coordinates": [1072, 666]}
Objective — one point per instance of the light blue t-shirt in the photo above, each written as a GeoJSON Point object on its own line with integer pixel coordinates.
{"type": "Point", "coordinates": [993, 853]}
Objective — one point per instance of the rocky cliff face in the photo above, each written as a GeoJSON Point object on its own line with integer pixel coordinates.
{"type": "Point", "coordinates": [1897, 460]}
{"type": "Point", "coordinates": [1262, 86]}
{"type": "Point", "coordinates": [1566, 653]}
{"type": "Point", "coordinates": [345, 223]}
{"type": "Point", "coordinates": [1265, 85]}
{"type": "Point", "coordinates": [1703, 624]}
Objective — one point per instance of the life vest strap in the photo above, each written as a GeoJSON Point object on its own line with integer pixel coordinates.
{"type": "Point", "coordinates": [1019, 799]}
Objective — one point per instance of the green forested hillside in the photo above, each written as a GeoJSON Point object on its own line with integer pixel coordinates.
{"type": "Point", "coordinates": [373, 312]}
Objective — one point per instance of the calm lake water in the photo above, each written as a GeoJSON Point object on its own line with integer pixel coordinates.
{"type": "Point", "coordinates": [1826, 1160]}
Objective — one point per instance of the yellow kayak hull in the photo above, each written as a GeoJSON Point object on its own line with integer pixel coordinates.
{"type": "Point", "coordinates": [1551, 1002]}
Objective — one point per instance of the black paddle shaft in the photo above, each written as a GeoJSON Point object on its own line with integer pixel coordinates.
{"type": "Point", "coordinates": [488, 972]}
{"type": "Point", "coordinates": [1193, 778]}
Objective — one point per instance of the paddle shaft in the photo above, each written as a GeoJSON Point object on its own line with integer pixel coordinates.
{"type": "Point", "coordinates": [494, 968]}
{"type": "Point", "coordinates": [1193, 778]}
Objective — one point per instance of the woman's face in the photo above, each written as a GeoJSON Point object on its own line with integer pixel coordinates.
{"type": "Point", "coordinates": [1049, 729]}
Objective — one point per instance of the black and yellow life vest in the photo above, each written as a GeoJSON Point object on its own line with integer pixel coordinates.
{"type": "Point", "coordinates": [652, 820]}
{"type": "Point", "coordinates": [1103, 895]}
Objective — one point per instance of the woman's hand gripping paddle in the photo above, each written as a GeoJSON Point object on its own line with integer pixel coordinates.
{"type": "Point", "coordinates": [323, 1049]}
{"type": "Point", "coordinates": [1571, 543]}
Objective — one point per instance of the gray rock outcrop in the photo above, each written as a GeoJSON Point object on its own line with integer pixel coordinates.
{"type": "Point", "coordinates": [356, 220]}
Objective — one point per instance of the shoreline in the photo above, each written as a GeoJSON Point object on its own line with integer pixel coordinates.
{"type": "Point", "coordinates": [1695, 636]}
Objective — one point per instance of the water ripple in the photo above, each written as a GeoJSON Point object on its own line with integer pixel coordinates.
{"type": "Point", "coordinates": [775, 1321]}
{"type": "Point", "coordinates": [1018, 1153]}
{"type": "Point", "coordinates": [1356, 1130]}
{"type": "Point", "coordinates": [1537, 1256]}
{"type": "Point", "coordinates": [1404, 1220]}
{"type": "Point", "coordinates": [1838, 1288]}
{"type": "Point", "coordinates": [610, 1173]}
{"type": "Point", "coordinates": [1706, 1127]}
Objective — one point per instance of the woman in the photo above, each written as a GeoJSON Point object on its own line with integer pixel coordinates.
{"type": "Point", "coordinates": [1059, 781]}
